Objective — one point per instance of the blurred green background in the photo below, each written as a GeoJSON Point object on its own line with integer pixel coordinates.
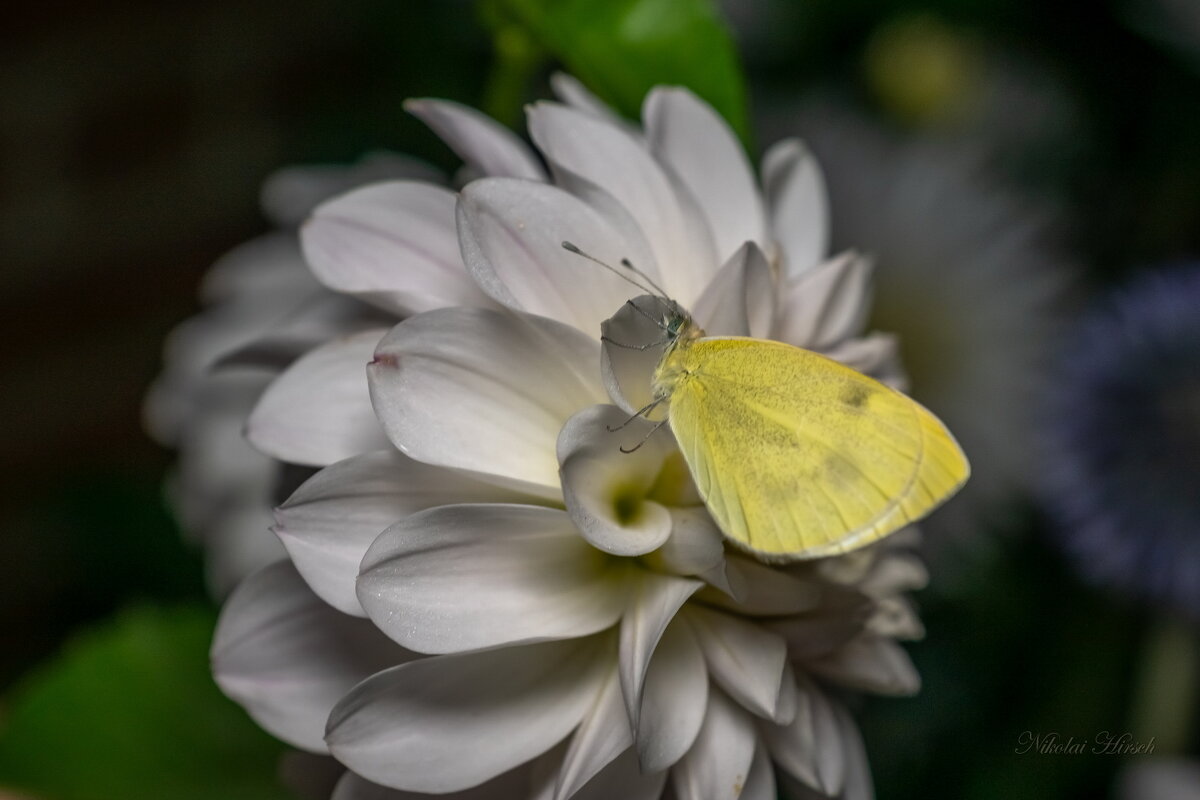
{"type": "Point", "coordinates": [134, 137]}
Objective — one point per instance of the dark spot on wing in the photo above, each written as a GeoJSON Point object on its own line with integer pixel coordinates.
{"type": "Point", "coordinates": [855, 396]}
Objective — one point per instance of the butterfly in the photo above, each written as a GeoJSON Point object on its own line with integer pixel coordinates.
{"type": "Point", "coordinates": [796, 456]}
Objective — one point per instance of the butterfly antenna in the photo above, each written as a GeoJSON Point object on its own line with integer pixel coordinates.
{"type": "Point", "coordinates": [658, 290]}
{"type": "Point", "coordinates": [570, 248]}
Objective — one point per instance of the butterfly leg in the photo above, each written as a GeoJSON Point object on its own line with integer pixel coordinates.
{"type": "Point", "coordinates": [653, 431]}
{"type": "Point", "coordinates": [640, 412]}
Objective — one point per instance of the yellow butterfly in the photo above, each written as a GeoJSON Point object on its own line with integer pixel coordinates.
{"type": "Point", "coordinates": [797, 456]}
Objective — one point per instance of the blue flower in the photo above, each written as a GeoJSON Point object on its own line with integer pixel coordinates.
{"type": "Point", "coordinates": [1122, 429]}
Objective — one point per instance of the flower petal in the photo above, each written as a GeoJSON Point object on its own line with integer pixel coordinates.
{"type": "Point", "coordinates": [798, 203]}
{"type": "Point", "coordinates": [605, 488]}
{"type": "Point", "coordinates": [653, 602]}
{"type": "Point", "coordinates": [633, 343]}
{"type": "Point", "coordinates": [512, 233]}
{"type": "Point", "coordinates": [877, 355]}
{"type": "Point", "coordinates": [602, 736]}
{"type": "Point", "coordinates": [467, 577]}
{"type": "Point", "coordinates": [512, 785]}
{"type": "Point", "coordinates": [741, 299]}
{"type": "Point", "coordinates": [330, 521]}
{"type": "Point", "coordinates": [761, 783]}
{"type": "Point", "coordinates": [695, 546]}
{"type": "Point", "coordinates": [859, 785]}
{"type": "Point", "coordinates": [827, 304]}
{"type": "Point", "coordinates": [744, 659]}
{"type": "Point", "coordinates": [673, 700]}
{"type": "Point", "coordinates": [484, 391]}
{"type": "Point", "coordinates": [870, 663]}
{"type": "Point", "coordinates": [718, 765]}
{"type": "Point", "coordinates": [571, 91]}
{"type": "Point", "coordinates": [702, 150]}
{"type": "Point", "coordinates": [448, 723]}
{"type": "Point", "coordinates": [623, 779]}
{"type": "Point", "coordinates": [393, 244]}
{"type": "Point", "coordinates": [810, 747]}
{"type": "Point", "coordinates": [764, 591]}
{"type": "Point", "coordinates": [286, 657]}
{"type": "Point", "coordinates": [318, 411]}
{"type": "Point", "coordinates": [588, 153]}
{"type": "Point", "coordinates": [479, 140]}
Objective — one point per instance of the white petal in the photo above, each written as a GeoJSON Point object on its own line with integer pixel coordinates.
{"type": "Point", "coordinates": [827, 304]}
{"type": "Point", "coordinates": [605, 488]}
{"type": "Point", "coordinates": [718, 765]}
{"type": "Point", "coordinates": [572, 92]}
{"type": "Point", "coordinates": [653, 602]}
{"type": "Point", "coordinates": [870, 663]}
{"type": "Point", "coordinates": [859, 785]}
{"type": "Point", "coordinates": [466, 577]}
{"type": "Point", "coordinates": [289, 194]}
{"type": "Point", "coordinates": [623, 779]}
{"type": "Point", "coordinates": [478, 139]}
{"type": "Point", "coordinates": [761, 783]}
{"type": "Point", "coordinates": [809, 748]}
{"type": "Point", "coordinates": [287, 657]}
{"type": "Point", "coordinates": [634, 343]}
{"type": "Point", "coordinates": [695, 546]}
{"type": "Point", "coordinates": [686, 134]}
{"type": "Point", "coordinates": [512, 233]}
{"type": "Point", "coordinates": [484, 391]}
{"type": "Point", "coordinates": [798, 203]}
{"type": "Point", "coordinates": [744, 659]}
{"type": "Point", "coordinates": [840, 618]}
{"type": "Point", "coordinates": [330, 521]}
{"type": "Point", "coordinates": [896, 617]}
{"type": "Point", "coordinates": [448, 723]}
{"type": "Point", "coordinates": [741, 299]}
{"type": "Point", "coordinates": [512, 785]}
{"type": "Point", "coordinates": [602, 736]}
{"type": "Point", "coordinates": [764, 591]}
{"type": "Point", "coordinates": [393, 244]}
{"type": "Point", "coordinates": [319, 411]}
{"type": "Point", "coordinates": [877, 355]}
{"type": "Point", "coordinates": [673, 700]}
{"type": "Point", "coordinates": [588, 153]}
{"type": "Point", "coordinates": [895, 573]}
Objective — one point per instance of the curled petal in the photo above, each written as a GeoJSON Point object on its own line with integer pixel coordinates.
{"type": "Point", "coordinates": [466, 577]}
{"type": "Point", "coordinates": [330, 521]}
{"type": "Point", "coordinates": [484, 391]}
{"type": "Point", "coordinates": [653, 602]}
{"type": "Point", "coordinates": [511, 234]}
{"type": "Point", "coordinates": [634, 340]}
{"type": "Point", "coordinates": [287, 657]}
{"type": "Point", "coordinates": [605, 489]}
{"type": "Point", "coordinates": [718, 765]}
{"type": "Point", "coordinates": [695, 546]}
{"type": "Point", "coordinates": [319, 411]}
{"type": "Point", "coordinates": [392, 244]}
{"type": "Point", "coordinates": [478, 139]}
{"type": "Point", "coordinates": [406, 727]}
{"type": "Point", "coordinates": [701, 149]}
{"type": "Point", "coordinates": [827, 304]}
{"type": "Point", "coordinates": [741, 299]}
{"type": "Point", "coordinates": [744, 659]}
{"type": "Point", "coordinates": [673, 699]}
{"type": "Point", "coordinates": [799, 205]}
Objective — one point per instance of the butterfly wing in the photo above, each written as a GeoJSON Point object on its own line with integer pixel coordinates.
{"type": "Point", "coordinates": [798, 456]}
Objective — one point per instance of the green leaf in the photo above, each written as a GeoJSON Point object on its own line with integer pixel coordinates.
{"type": "Point", "coordinates": [622, 48]}
{"type": "Point", "coordinates": [130, 711]}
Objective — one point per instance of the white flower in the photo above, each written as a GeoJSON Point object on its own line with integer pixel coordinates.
{"type": "Point", "coordinates": [487, 597]}
{"type": "Point", "coordinates": [263, 308]}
